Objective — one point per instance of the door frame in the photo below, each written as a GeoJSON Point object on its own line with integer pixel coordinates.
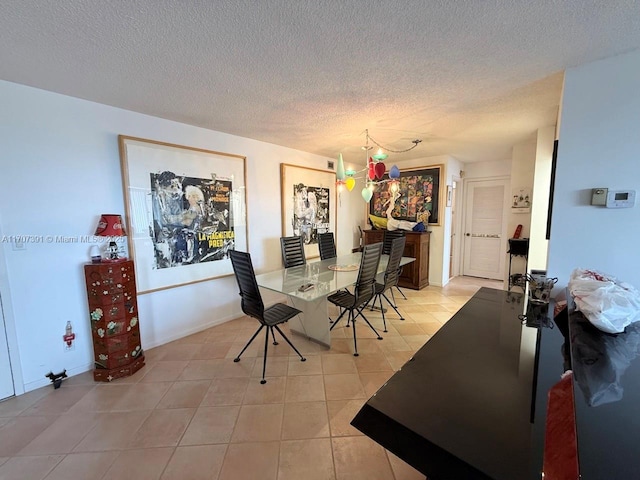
{"type": "Point", "coordinates": [457, 242]}
{"type": "Point", "coordinates": [9, 322]}
{"type": "Point", "coordinates": [464, 213]}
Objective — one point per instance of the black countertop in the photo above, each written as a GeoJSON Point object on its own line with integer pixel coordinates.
{"type": "Point", "coordinates": [471, 403]}
{"type": "Point", "coordinates": [606, 376]}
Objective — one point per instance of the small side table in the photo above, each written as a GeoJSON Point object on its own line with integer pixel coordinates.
{"type": "Point", "coordinates": [518, 247]}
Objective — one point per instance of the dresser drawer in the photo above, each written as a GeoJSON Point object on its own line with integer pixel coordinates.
{"type": "Point", "coordinates": [116, 359]}
{"type": "Point", "coordinates": [108, 328]}
{"type": "Point", "coordinates": [107, 375]}
{"type": "Point", "coordinates": [113, 343]}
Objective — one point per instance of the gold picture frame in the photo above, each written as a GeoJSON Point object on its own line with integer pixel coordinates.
{"type": "Point", "coordinates": [308, 200]}
{"type": "Point", "coordinates": [420, 191]}
{"type": "Point", "coordinates": [185, 209]}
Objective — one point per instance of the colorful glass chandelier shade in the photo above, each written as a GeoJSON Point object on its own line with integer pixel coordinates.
{"type": "Point", "coordinates": [350, 183]}
{"type": "Point", "coordinates": [340, 174]}
{"type": "Point", "coordinates": [375, 170]}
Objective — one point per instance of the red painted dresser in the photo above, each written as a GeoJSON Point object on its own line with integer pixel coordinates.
{"type": "Point", "coordinates": [113, 312]}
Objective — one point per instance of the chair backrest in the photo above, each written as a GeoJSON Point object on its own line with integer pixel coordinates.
{"type": "Point", "coordinates": [251, 299]}
{"type": "Point", "coordinates": [365, 285]}
{"type": "Point", "coordinates": [389, 236]}
{"type": "Point", "coordinates": [392, 272]}
{"type": "Point", "coordinates": [292, 251]}
{"type": "Point", "coordinates": [326, 246]}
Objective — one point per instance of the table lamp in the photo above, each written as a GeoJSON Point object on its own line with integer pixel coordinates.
{"type": "Point", "coordinates": [110, 225]}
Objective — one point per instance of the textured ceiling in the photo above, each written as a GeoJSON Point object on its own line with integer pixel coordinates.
{"type": "Point", "coordinates": [468, 78]}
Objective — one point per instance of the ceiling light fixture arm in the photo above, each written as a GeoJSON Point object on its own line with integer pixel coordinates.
{"type": "Point", "coordinates": [415, 144]}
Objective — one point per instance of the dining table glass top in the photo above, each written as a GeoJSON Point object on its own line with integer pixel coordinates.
{"type": "Point", "coordinates": [325, 276]}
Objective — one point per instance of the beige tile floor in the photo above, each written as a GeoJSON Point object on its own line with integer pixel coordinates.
{"type": "Point", "coordinates": [192, 413]}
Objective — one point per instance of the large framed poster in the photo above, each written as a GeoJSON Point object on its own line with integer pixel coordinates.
{"type": "Point", "coordinates": [308, 204]}
{"type": "Point", "coordinates": [418, 196]}
{"type": "Point", "coordinates": [186, 208]}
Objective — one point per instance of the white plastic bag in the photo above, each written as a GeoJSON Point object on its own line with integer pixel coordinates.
{"type": "Point", "coordinates": [608, 304]}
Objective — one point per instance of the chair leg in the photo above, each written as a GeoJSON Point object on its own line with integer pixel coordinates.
{"type": "Point", "coordinates": [398, 288]}
{"type": "Point", "coordinates": [302, 359]}
{"type": "Point", "coordinates": [367, 321]}
{"type": "Point", "coordinates": [337, 320]}
{"type": "Point", "coordinates": [392, 306]}
{"type": "Point", "coordinates": [332, 321]}
{"type": "Point", "coordinates": [264, 359]}
{"type": "Point", "coordinates": [355, 341]}
{"type": "Point", "coordinates": [274, 337]}
{"type": "Point", "coordinates": [237, 359]}
{"type": "Point", "coordinates": [384, 321]}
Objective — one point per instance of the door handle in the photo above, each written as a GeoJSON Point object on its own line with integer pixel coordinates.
{"type": "Point", "coordinates": [468, 234]}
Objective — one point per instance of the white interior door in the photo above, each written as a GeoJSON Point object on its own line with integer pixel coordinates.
{"type": "Point", "coordinates": [6, 377]}
{"type": "Point", "coordinates": [485, 229]}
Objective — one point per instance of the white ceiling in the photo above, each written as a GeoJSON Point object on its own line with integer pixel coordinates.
{"type": "Point", "coordinates": [468, 78]}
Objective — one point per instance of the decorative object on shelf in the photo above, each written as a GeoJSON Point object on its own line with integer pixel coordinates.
{"type": "Point", "coordinates": [186, 209]}
{"type": "Point", "coordinates": [94, 253]}
{"type": "Point", "coordinates": [375, 169]}
{"type": "Point", "coordinates": [111, 225]}
{"type": "Point", "coordinates": [308, 204]}
{"type": "Point", "coordinates": [395, 224]}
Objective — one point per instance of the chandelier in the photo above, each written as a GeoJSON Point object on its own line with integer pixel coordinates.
{"type": "Point", "coordinates": [375, 169]}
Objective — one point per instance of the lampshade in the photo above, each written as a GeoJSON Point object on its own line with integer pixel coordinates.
{"type": "Point", "coordinates": [110, 225]}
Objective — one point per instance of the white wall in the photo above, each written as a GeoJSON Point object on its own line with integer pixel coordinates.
{"type": "Point", "coordinates": [522, 168]}
{"type": "Point", "coordinates": [480, 170]}
{"type": "Point", "coordinates": [452, 169]}
{"type": "Point", "coordinates": [538, 244]}
{"type": "Point", "coordinates": [599, 146]}
{"type": "Point", "coordinates": [60, 170]}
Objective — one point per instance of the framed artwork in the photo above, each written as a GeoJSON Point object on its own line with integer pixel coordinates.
{"type": "Point", "coordinates": [521, 200]}
{"type": "Point", "coordinates": [417, 200]}
{"type": "Point", "coordinates": [449, 195]}
{"type": "Point", "coordinates": [185, 209]}
{"type": "Point", "coordinates": [308, 197]}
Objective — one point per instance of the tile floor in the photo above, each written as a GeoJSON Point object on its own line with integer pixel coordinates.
{"type": "Point", "coordinates": [192, 413]}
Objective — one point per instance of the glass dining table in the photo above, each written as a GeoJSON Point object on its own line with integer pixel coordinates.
{"type": "Point", "coordinates": [309, 285]}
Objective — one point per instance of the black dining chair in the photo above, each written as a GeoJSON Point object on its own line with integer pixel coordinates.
{"type": "Point", "coordinates": [327, 249]}
{"type": "Point", "coordinates": [292, 251]}
{"type": "Point", "coordinates": [327, 246]}
{"type": "Point", "coordinates": [363, 292]}
{"type": "Point", "coordinates": [389, 237]}
{"type": "Point", "coordinates": [391, 275]}
{"type": "Point", "coordinates": [253, 306]}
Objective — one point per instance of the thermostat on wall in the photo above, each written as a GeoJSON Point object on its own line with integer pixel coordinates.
{"type": "Point", "coordinates": [621, 198]}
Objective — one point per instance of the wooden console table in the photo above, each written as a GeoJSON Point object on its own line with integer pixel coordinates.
{"type": "Point", "coordinates": [416, 274]}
